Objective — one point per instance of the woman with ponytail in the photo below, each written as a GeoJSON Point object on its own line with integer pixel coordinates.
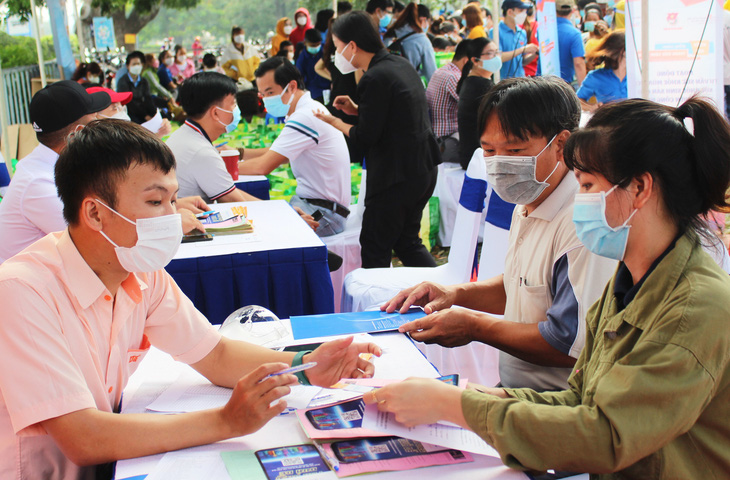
{"type": "Point", "coordinates": [475, 82]}
{"type": "Point", "coordinates": [650, 393]}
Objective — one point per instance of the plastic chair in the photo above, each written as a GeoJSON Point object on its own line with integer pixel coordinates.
{"type": "Point", "coordinates": [346, 244]}
{"type": "Point", "coordinates": [367, 288]}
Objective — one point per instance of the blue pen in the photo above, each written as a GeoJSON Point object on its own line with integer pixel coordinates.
{"type": "Point", "coordinates": [221, 144]}
{"type": "Point", "coordinates": [327, 458]}
{"type": "Point", "coordinates": [298, 368]}
{"type": "Point", "coordinates": [204, 214]}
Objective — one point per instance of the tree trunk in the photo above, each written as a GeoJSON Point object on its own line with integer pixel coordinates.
{"type": "Point", "coordinates": [122, 24]}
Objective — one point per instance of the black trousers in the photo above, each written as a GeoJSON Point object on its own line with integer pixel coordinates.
{"type": "Point", "coordinates": [392, 220]}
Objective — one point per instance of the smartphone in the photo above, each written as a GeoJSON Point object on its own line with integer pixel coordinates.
{"type": "Point", "coordinates": [317, 215]}
{"type": "Point", "coordinates": [201, 237]}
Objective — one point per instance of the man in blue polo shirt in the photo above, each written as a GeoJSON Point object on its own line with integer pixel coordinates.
{"type": "Point", "coordinates": [516, 51]}
{"type": "Point", "coordinates": [570, 43]}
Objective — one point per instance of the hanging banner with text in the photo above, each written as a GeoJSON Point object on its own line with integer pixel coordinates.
{"type": "Point", "coordinates": [547, 33]}
{"type": "Point", "coordinates": [675, 39]}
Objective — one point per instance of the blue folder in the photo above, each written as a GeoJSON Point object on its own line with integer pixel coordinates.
{"type": "Point", "coordinates": [311, 326]}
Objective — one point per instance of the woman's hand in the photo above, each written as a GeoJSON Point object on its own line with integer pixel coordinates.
{"type": "Point", "coordinates": [345, 103]}
{"type": "Point", "coordinates": [339, 359]}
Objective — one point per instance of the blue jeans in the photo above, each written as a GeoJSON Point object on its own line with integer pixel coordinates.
{"type": "Point", "coordinates": [330, 223]}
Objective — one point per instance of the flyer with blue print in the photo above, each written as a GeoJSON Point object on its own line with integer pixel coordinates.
{"type": "Point", "coordinates": [313, 326]}
{"type": "Point", "coordinates": [291, 462]}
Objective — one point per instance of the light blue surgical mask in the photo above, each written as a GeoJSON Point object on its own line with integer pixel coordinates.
{"type": "Point", "coordinates": [234, 122]}
{"type": "Point", "coordinates": [493, 64]}
{"type": "Point", "coordinates": [385, 21]}
{"type": "Point", "coordinates": [592, 228]}
{"type": "Point", "coordinates": [589, 26]}
{"type": "Point", "coordinates": [314, 50]}
{"type": "Point", "coordinates": [275, 106]}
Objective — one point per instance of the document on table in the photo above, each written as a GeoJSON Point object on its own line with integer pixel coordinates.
{"type": "Point", "coordinates": [446, 436]}
{"type": "Point", "coordinates": [192, 392]}
{"type": "Point", "coordinates": [187, 465]}
{"type": "Point", "coordinates": [308, 326]}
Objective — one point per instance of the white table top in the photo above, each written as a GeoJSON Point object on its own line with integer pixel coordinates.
{"type": "Point", "coordinates": [158, 370]}
{"type": "Point", "coordinates": [276, 226]}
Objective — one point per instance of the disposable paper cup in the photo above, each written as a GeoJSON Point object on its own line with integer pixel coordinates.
{"type": "Point", "coordinates": [230, 157]}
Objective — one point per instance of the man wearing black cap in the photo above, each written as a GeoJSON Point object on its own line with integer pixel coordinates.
{"type": "Point", "coordinates": [516, 50]}
{"type": "Point", "coordinates": [26, 212]}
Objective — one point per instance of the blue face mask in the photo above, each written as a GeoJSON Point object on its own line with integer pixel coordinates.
{"type": "Point", "coordinates": [589, 26]}
{"type": "Point", "coordinates": [493, 64]}
{"type": "Point", "coordinates": [275, 106]}
{"type": "Point", "coordinates": [234, 122]}
{"type": "Point", "coordinates": [593, 230]}
{"type": "Point", "coordinates": [385, 21]}
{"type": "Point", "coordinates": [314, 50]}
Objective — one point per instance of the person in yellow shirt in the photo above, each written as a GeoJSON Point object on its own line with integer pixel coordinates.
{"type": "Point", "coordinates": [474, 21]}
{"type": "Point", "coordinates": [283, 29]}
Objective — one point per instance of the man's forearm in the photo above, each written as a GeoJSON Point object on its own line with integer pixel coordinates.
{"type": "Point", "coordinates": [521, 340]}
{"type": "Point", "coordinates": [485, 296]}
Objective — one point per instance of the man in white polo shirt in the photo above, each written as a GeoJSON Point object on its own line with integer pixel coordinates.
{"type": "Point", "coordinates": [209, 99]}
{"type": "Point", "coordinates": [316, 150]}
{"type": "Point", "coordinates": [31, 207]}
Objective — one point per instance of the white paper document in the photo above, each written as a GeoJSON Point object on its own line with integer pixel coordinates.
{"type": "Point", "coordinates": [187, 465]}
{"type": "Point", "coordinates": [192, 392]}
{"type": "Point", "coordinates": [446, 436]}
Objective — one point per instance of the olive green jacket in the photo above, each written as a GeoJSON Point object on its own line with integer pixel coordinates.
{"type": "Point", "coordinates": [650, 394]}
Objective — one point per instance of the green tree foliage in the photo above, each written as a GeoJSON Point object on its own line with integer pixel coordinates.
{"type": "Point", "coordinates": [19, 51]}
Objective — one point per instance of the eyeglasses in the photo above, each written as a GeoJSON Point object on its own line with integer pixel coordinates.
{"type": "Point", "coordinates": [490, 53]}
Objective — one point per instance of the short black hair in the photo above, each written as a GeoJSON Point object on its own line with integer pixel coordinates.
{"type": "Point", "coordinates": [462, 50]}
{"type": "Point", "coordinates": [373, 5]}
{"type": "Point", "coordinates": [250, 104]}
{"type": "Point", "coordinates": [323, 18]}
{"type": "Point", "coordinates": [313, 36]}
{"type": "Point", "coordinates": [203, 90]}
{"type": "Point", "coordinates": [441, 43]}
{"type": "Point", "coordinates": [135, 54]}
{"type": "Point", "coordinates": [343, 8]}
{"type": "Point", "coordinates": [98, 157]}
{"type": "Point", "coordinates": [209, 60]}
{"type": "Point", "coordinates": [284, 71]}
{"type": "Point", "coordinates": [358, 27]}
{"type": "Point", "coordinates": [161, 56]}
{"type": "Point", "coordinates": [423, 11]}
{"type": "Point", "coordinates": [398, 6]}
{"type": "Point", "coordinates": [537, 106]}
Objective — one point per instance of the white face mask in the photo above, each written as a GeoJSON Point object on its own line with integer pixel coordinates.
{"type": "Point", "coordinates": [135, 69]}
{"type": "Point", "coordinates": [158, 239]}
{"type": "Point", "coordinates": [513, 177]}
{"type": "Point", "coordinates": [239, 38]}
{"type": "Point", "coordinates": [344, 65]}
{"type": "Point", "coordinates": [120, 115]}
{"type": "Point", "coordinates": [168, 61]}
{"type": "Point", "coordinates": [288, 29]}
{"type": "Point", "coordinates": [301, 20]}
{"type": "Point", "coordinates": [93, 78]}
{"type": "Point", "coordinates": [520, 18]}
{"type": "Point", "coordinates": [182, 59]}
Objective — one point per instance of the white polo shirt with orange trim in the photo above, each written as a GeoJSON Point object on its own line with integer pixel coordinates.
{"type": "Point", "coordinates": [67, 344]}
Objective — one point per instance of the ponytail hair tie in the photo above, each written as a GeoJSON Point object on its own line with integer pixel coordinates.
{"type": "Point", "coordinates": [689, 125]}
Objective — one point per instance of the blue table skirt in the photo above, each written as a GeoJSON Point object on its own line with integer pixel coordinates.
{"type": "Point", "coordinates": [288, 282]}
{"type": "Point", "coordinates": [259, 188]}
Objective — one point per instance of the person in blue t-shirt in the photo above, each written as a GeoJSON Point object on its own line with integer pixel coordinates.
{"type": "Point", "coordinates": [570, 44]}
{"type": "Point", "coordinates": [607, 84]}
{"type": "Point", "coordinates": [307, 60]}
{"type": "Point", "coordinates": [516, 51]}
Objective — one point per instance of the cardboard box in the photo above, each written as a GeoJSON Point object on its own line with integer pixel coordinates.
{"type": "Point", "coordinates": [21, 141]}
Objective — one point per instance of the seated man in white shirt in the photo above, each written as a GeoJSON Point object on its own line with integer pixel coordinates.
{"type": "Point", "coordinates": [83, 306]}
{"type": "Point", "coordinates": [316, 150]}
{"type": "Point", "coordinates": [31, 207]}
{"type": "Point", "coordinates": [209, 99]}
